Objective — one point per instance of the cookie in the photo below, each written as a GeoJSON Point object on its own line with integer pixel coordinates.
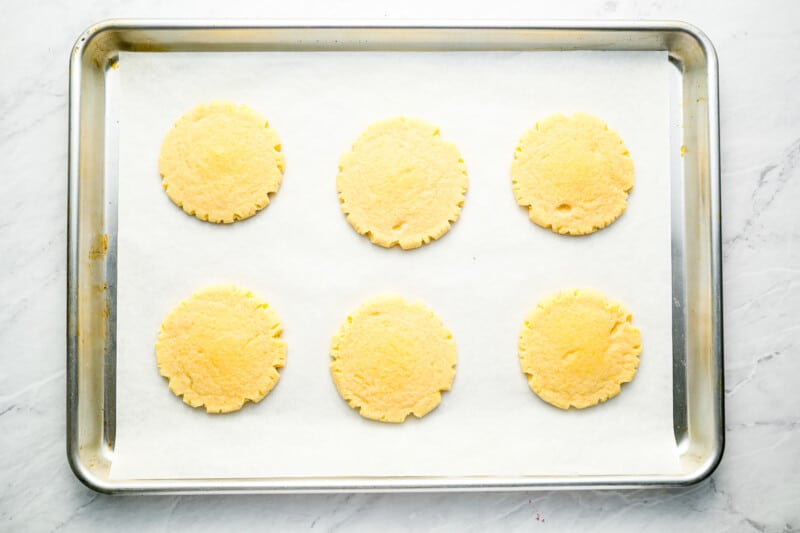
{"type": "Point", "coordinates": [577, 348]}
{"type": "Point", "coordinates": [402, 184]}
{"type": "Point", "coordinates": [573, 174]}
{"type": "Point", "coordinates": [220, 162]}
{"type": "Point", "coordinates": [392, 358]}
{"type": "Point", "coordinates": [220, 348]}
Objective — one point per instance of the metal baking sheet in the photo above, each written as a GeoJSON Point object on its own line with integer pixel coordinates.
{"type": "Point", "coordinates": [92, 356]}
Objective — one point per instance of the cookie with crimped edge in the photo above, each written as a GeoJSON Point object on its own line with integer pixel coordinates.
{"type": "Point", "coordinates": [577, 348]}
{"type": "Point", "coordinates": [572, 173]}
{"type": "Point", "coordinates": [220, 348]}
{"type": "Point", "coordinates": [402, 184]}
{"type": "Point", "coordinates": [221, 162]}
{"type": "Point", "coordinates": [392, 358]}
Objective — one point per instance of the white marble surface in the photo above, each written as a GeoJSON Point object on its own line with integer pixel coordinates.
{"type": "Point", "coordinates": [757, 487]}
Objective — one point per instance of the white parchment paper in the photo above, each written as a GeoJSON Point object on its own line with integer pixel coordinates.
{"type": "Point", "coordinates": [481, 278]}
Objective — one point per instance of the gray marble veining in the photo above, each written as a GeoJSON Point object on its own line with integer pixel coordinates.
{"type": "Point", "coordinates": [757, 487]}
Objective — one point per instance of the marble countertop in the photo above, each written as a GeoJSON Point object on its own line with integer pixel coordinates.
{"type": "Point", "coordinates": [757, 486]}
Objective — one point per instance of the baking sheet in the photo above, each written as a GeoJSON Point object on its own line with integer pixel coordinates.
{"type": "Point", "coordinates": [481, 278]}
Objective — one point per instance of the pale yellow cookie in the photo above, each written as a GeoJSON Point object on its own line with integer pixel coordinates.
{"type": "Point", "coordinates": [577, 348]}
{"type": "Point", "coordinates": [573, 174]}
{"type": "Point", "coordinates": [220, 162]}
{"type": "Point", "coordinates": [221, 347]}
{"type": "Point", "coordinates": [392, 358]}
{"type": "Point", "coordinates": [402, 184]}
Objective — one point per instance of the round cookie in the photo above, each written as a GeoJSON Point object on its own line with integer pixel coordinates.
{"type": "Point", "coordinates": [221, 347]}
{"type": "Point", "coordinates": [573, 174]}
{"type": "Point", "coordinates": [220, 162]}
{"type": "Point", "coordinates": [392, 358]}
{"type": "Point", "coordinates": [577, 348]}
{"type": "Point", "coordinates": [402, 184]}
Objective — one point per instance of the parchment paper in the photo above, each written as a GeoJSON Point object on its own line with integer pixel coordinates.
{"type": "Point", "coordinates": [481, 278]}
